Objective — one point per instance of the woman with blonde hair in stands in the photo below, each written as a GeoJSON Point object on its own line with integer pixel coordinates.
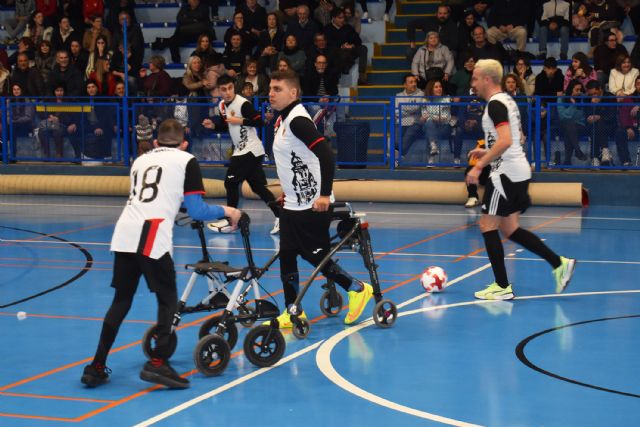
{"type": "Point", "coordinates": [100, 50]}
{"type": "Point", "coordinates": [622, 79]}
{"type": "Point", "coordinates": [105, 80]}
{"type": "Point", "coordinates": [4, 80]}
{"type": "Point", "coordinates": [203, 47]}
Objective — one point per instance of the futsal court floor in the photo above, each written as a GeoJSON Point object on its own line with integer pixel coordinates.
{"type": "Point", "coordinates": [540, 360]}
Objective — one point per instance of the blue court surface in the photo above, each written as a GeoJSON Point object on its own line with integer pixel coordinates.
{"type": "Point", "coordinates": [540, 360]}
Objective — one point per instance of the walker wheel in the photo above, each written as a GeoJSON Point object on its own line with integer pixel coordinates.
{"type": "Point", "coordinates": [209, 327]}
{"type": "Point", "coordinates": [385, 313]}
{"type": "Point", "coordinates": [247, 310]}
{"type": "Point", "coordinates": [301, 328]}
{"type": "Point", "coordinates": [212, 355]}
{"type": "Point", "coordinates": [264, 346]}
{"type": "Point", "coordinates": [149, 342]}
{"type": "Point", "coordinates": [326, 306]}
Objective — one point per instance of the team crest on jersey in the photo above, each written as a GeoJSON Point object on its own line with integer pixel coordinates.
{"type": "Point", "coordinates": [233, 113]}
{"type": "Point", "coordinates": [304, 184]}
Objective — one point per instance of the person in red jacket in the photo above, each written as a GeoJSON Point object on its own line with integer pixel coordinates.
{"type": "Point", "coordinates": [48, 9]}
{"type": "Point", "coordinates": [92, 8]}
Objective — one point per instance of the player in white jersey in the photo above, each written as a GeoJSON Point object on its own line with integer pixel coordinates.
{"type": "Point", "coordinates": [305, 165]}
{"type": "Point", "coordinates": [506, 194]}
{"type": "Point", "coordinates": [161, 180]}
{"type": "Point", "coordinates": [248, 152]}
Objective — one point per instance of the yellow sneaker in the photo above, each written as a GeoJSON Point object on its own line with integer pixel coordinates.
{"type": "Point", "coordinates": [357, 302]}
{"type": "Point", "coordinates": [284, 320]}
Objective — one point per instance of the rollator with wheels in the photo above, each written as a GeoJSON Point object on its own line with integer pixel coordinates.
{"type": "Point", "coordinates": [219, 334]}
{"type": "Point", "coordinates": [352, 234]}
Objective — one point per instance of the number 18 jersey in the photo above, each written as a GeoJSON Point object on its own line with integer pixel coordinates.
{"type": "Point", "coordinates": [159, 180]}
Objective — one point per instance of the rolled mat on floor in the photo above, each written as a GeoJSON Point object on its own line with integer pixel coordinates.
{"type": "Point", "coordinates": [549, 194]}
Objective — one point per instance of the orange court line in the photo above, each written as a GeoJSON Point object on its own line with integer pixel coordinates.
{"type": "Point", "coordinates": [436, 236]}
{"type": "Point", "coordinates": [35, 417]}
{"type": "Point", "coordinates": [536, 227]}
{"type": "Point", "coordinates": [41, 396]}
{"type": "Point", "coordinates": [54, 316]}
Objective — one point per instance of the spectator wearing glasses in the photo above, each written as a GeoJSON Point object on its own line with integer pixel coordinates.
{"type": "Point", "coordinates": [605, 55]}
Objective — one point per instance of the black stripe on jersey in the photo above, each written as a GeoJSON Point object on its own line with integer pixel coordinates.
{"type": "Point", "coordinates": [498, 113]}
{"type": "Point", "coordinates": [144, 235]}
{"type": "Point", "coordinates": [193, 178]}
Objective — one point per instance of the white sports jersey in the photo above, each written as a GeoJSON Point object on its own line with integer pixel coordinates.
{"type": "Point", "coordinates": [513, 162]}
{"type": "Point", "coordinates": [245, 138]}
{"type": "Point", "coordinates": [297, 166]}
{"type": "Point", "coordinates": [159, 180]}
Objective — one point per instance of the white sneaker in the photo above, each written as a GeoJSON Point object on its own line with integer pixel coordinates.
{"type": "Point", "coordinates": [595, 162]}
{"type": "Point", "coordinates": [434, 148]}
{"type": "Point", "coordinates": [385, 18]}
{"type": "Point", "coordinates": [221, 226]}
{"type": "Point", "coordinates": [456, 163]}
{"type": "Point", "coordinates": [276, 227]}
{"type": "Point", "coordinates": [365, 15]}
{"type": "Point", "coordinates": [606, 156]}
{"type": "Point", "coordinates": [472, 202]}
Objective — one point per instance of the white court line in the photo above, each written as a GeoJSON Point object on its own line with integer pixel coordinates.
{"type": "Point", "coordinates": [365, 211]}
{"type": "Point", "coordinates": [323, 356]}
{"type": "Point", "coordinates": [225, 387]}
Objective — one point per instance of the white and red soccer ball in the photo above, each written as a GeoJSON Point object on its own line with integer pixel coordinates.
{"type": "Point", "coordinates": [434, 279]}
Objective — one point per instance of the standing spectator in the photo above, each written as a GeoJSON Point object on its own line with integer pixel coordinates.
{"type": "Point", "coordinates": [45, 60]}
{"type": "Point", "coordinates": [442, 24]}
{"type": "Point", "coordinates": [555, 20]}
{"type": "Point", "coordinates": [192, 20]}
{"type": "Point", "coordinates": [436, 116]}
{"type": "Point", "coordinates": [482, 48]}
{"type": "Point", "coordinates": [294, 55]}
{"type": "Point", "coordinates": [622, 80]}
{"type": "Point", "coordinates": [433, 61]}
{"type": "Point", "coordinates": [601, 123]}
{"type": "Point", "coordinates": [579, 70]}
{"type": "Point", "coordinates": [91, 9]}
{"type": "Point", "coordinates": [270, 43]}
{"type": "Point", "coordinates": [605, 55]}
{"type": "Point", "coordinates": [97, 30]}
{"type": "Point", "coordinates": [259, 81]}
{"type": "Point", "coordinates": [348, 45]}
{"type": "Point", "coordinates": [203, 47]}
{"type": "Point", "coordinates": [48, 9]}
{"type": "Point", "coordinates": [28, 78]}
{"type": "Point", "coordinates": [572, 121]}
{"type": "Point", "coordinates": [408, 116]}
{"type": "Point", "coordinates": [525, 73]}
{"type": "Point", "coordinates": [65, 73]}
{"type": "Point", "coordinates": [303, 28]}
{"type": "Point", "coordinates": [16, 25]}
{"type": "Point", "coordinates": [508, 20]}
{"type": "Point", "coordinates": [62, 36]}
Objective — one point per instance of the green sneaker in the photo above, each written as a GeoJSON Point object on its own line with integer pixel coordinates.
{"type": "Point", "coordinates": [357, 302]}
{"type": "Point", "coordinates": [564, 273]}
{"type": "Point", "coordinates": [495, 292]}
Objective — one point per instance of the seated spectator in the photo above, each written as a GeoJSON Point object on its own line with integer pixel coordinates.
{"type": "Point", "coordinates": [249, 40]}
{"type": "Point", "coordinates": [469, 127]}
{"type": "Point", "coordinates": [303, 28]}
{"type": "Point", "coordinates": [135, 39]}
{"type": "Point", "coordinates": [78, 57]}
{"type": "Point", "coordinates": [320, 47]}
{"type": "Point", "coordinates": [465, 29]}
{"type": "Point", "coordinates": [116, 7]}
{"type": "Point", "coordinates": [62, 36]}
{"type": "Point", "coordinates": [100, 50]}
{"type": "Point", "coordinates": [259, 82]}
{"type": "Point", "coordinates": [627, 130]}
{"type": "Point", "coordinates": [91, 9]}
{"type": "Point", "coordinates": [235, 55]}
{"type": "Point", "coordinates": [247, 91]}
{"type": "Point", "coordinates": [203, 47]}
{"type": "Point", "coordinates": [63, 72]}
{"type": "Point", "coordinates": [348, 45]}
{"type": "Point", "coordinates": [605, 55]}
{"type": "Point", "coordinates": [98, 129]}
{"type": "Point", "coordinates": [284, 65]}
{"type": "Point", "coordinates": [631, 8]}
{"type": "Point", "coordinates": [508, 20]}
{"type": "Point", "coordinates": [548, 86]}
{"type": "Point", "coordinates": [525, 73]}
{"type": "Point", "coordinates": [461, 81]}
{"type": "Point", "coordinates": [4, 80]}
{"type": "Point", "coordinates": [28, 78]}
{"type": "Point", "coordinates": [579, 70]}
{"type": "Point", "coordinates": [193, 78]}
{"type": "Point", "coordinates": [436, 116]}
{"type": "Point", "coordinates": [351, 17]}
{"type": "Point", "coordinates": [580, 19]}
{"type": "Point", "coordinates": [4, 58]}
{"type": "Point", "coordinates": [514, 86]}
{"type": "Point", "coordinates": [270, 43]}
{"type": "Point", "coordinates": [92, 34]}
{"type": "Point", "coordinates": [555, 20]}
{"type": "Point", "coordinates": [105, 81]}
{"type": "Point", "coordinates": [192, 20]}
{"type": "Point", "coordinates": [133, 68]}
{"type": "Point", "coordinates": [16, 25]}
{"type": "Point", "coordinates": [293, 54]}
{"type": "Point", "coordinates": [255, 17]}
{"type": "Point", "coordinates": [601, 123]}
{"type": "Point", "coordinates": [320, 83]}
{"type": "Point", "coordinates": [408, 117]}
{"type": "Point", "coordinates": [213, 69]}
{"type": "Point", "coordinates": [433, 61]}
{"type": "Point", "coordinates": [322, 13]}
{"type": "Point", "coordinates": [44, 62]}
{"type": "Point", "coordinates": [22, 116]}
{"type": "Point", "coordinates": [72, 10]}
{"type": "Point", "coordinates": [441, 24]}
{"type": "Point", "coordinates": [53, 125]}
{"type": "Point", "coordinates": [623, 77]}
{"type": "Point", "coordinates": [606, 17]}
{"type": "Point", "coordinates": [36, 29]}
{"type": "Point", "coordinates": [572, 121]}
{"type": "Point", "coordinates": [157, 83]}
{"type": "Point", "coordinates": [25, 45]}
{"type": "Point", "coordinates": [481, 11]}
{"type": "Point", "coordinates": [482, 48]}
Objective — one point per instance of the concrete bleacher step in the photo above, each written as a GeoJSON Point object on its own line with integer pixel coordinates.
{"type": "Point", "coordinates": [387, 77]}
{"type": "Point", "coordinates": [392, 49]}
{"type": "Point", "coordinates": [391, 63]}
{"type": "Point", "coordinates": [379, 90]}
{"type": "Point", "coordinates": [415, 7]}
{"type": "Point", "coordinates": [403, 20]}
{"type": "Point", "coordinates": [397, 35]}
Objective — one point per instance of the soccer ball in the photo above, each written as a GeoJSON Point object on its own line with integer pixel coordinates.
{"type": "Point", "coordinates": [434, 279]}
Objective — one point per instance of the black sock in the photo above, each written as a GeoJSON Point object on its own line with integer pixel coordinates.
{"type": "Point", "coordinates": [496, 257]}
{"type": "Point", "coordinates": [533, 243]}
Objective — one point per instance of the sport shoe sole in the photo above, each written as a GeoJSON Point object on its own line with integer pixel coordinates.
{"type": "Point", "coordinates": [91, 381]}
{"type": "Point", "coordinates": [494, 297]}
{"type": "Point", "coordinates": [567, 277]}
{"type": "Point", "coordinates": [152, 377]}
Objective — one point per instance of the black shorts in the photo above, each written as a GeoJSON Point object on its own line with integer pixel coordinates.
{"type": "Point", "coordinates": [306, 233]}
{"type": "Point", "coordinates": [516, 200]}
{"type": "Point", "coordinates": [160, 274]}
{"type": "Point", "coordinates": [247, 167]}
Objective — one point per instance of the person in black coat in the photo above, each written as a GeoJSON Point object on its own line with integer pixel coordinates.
{"type": "Point", "coordinates": [344, 38]}
{"type": "Point", "coordinates": [320, 82]}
